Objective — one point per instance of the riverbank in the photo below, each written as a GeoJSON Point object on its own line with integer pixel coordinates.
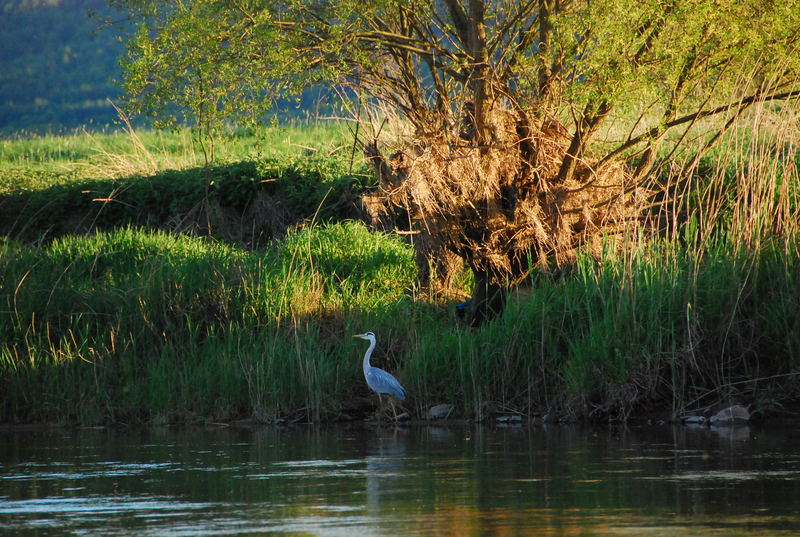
{"type": "Point", "coordinates": [145, 298]}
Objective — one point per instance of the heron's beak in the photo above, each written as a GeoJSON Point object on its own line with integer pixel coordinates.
{"type": "Point", "coordinates": [359, 335]}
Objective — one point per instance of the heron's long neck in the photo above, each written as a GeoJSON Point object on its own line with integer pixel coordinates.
{"type": "Point", "coordinates": [367, 355]}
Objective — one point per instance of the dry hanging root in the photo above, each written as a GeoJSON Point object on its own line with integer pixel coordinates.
{"type": "Point", "coordinates": [501, 207]}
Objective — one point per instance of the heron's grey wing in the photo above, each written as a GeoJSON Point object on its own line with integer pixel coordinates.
{"type": "Point", "coordinates": [383, 382]}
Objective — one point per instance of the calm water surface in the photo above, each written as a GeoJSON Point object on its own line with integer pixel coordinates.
{"type": "Point", "coordinates": [421, 480]}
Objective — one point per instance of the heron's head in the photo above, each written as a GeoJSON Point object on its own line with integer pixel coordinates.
{"type": "Point", "coordinates": [369, 336]}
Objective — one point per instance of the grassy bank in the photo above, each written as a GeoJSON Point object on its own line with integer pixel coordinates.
{"type": "Point", "coordinates": [132, 318]}
{"type": "Point", "coordinates": [140, 325]}
{"type": "Point", "coordinates": [263, 182]}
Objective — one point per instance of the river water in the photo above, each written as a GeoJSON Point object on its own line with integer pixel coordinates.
{"type": "Point", "coordinates": [418, 480]}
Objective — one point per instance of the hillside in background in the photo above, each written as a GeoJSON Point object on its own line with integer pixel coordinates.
{"type": "Point", "coordinates": [59, 69]}
{"type": "Point", "coordinates": [57, 66]}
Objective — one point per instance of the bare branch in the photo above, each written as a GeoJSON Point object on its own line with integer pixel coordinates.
{"type": "Point", "coordinates": [700, 114]}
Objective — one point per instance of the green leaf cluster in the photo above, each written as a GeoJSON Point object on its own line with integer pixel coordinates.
{"type": "Point", "coordinates": [207, 63]}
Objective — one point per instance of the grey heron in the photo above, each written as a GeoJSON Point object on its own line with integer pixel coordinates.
{"type": "Point", "coordinates": [378, 380]}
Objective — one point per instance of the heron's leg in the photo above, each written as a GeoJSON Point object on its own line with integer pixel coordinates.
{"type": "Point", "coordinates": [379, 412]}
{"type": "Point", "coordinates": [394, 410]}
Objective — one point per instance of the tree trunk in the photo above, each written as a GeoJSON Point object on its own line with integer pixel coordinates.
{"type": "Point", "coordinates": [487, 302]}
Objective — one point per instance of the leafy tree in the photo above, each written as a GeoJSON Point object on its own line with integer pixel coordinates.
{"type": "Point", "coordinates": [507, 98]}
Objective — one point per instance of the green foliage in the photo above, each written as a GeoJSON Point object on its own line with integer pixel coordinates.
{"type": "Point", "coordinates": [207, 63]}
{"type": "Point", "coordinates": [315, 183]}
{"type": "Point", "coordinates": [67, 207]}
{"type": "Point", "coordinates": [630, 49]}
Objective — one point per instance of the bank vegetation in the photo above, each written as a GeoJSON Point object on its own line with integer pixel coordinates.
{"type": "Point", "coordinates": [154, 297]}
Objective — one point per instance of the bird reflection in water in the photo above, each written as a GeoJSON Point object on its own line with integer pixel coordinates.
{"type": "Point", "coordinates": [385, 468]}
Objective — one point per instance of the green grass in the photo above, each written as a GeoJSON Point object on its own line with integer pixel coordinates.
{"type": "Point", "coordinates": [140, 324]}
{"type": "Point", "coordinates": [89, 152]}
{"type": "Point", "coordinates": [125, 317]}
{"type": "Point", "coordinates": [50, 187]}
{"type": "Point", "coordinates": [609, 341]}
{"type": "Point", "coordinates": [136, 325]}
